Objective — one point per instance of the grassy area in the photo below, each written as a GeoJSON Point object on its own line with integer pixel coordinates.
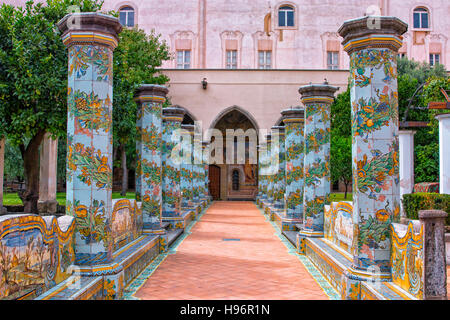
{"type": "Point", "coordinates": [12, 199]}
{"type": "Point", "coordinates": [340, 197]}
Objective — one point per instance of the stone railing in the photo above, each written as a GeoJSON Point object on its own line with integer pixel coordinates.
{"type": "Point", "coordinates": [127, 222]}
{"type": "Point", "coordinates": [338, 224]}
{"type": "Point", "coordinates": [35, 254]}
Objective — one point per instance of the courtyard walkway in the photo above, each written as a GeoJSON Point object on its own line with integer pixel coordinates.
{"type": "Point", "coordinates": [257, 266]}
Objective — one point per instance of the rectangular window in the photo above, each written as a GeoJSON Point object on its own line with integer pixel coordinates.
{"type": "Point", "coordinates": [231, 59]}
{"type": "Point", "coordinates": [290, 18]}
{"type": "Point", "coordinates": [264, 59]}
{"type": "Point", "coordinates": [183, 59]}
{"type": "Point", "coordinates": [434, 58]}
{"type": "Point", "coordinates": [282, 18]}
{"type": "Point", "coordinates": [123, 18]}
{"type": "Point", "coordinates": [333, 60]}
{"type": "Point", "coordinates": [416, 20]}
{"type": "Point", "coordinates": [425, 20]}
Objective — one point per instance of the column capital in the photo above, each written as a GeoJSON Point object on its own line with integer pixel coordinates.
{"type": "Point", "coordinates": [173, 114]}
{"type": "Point", "coordinates": [432, 214]}
{"type": "Point", "coordinates": [317, 93]}
{"type": "Point", "coordinates": [406, 132]}
{"type": "Point", "coordinates": [280, 129]}
{"type": "Point", "coordinates": [261, 146]}
{"type": "Point", "coordinates": [150, 92]}
{"type": "Point", "coordinates": [188, 127]}
{"type": "Point", "coordinates": [293, 115]}
{"type": "Point", "coordinates": [268, 138]}
{"type": "Point", "coordinates": [88, 28]}
{"type": "Point", "coordinates": [443, 116]}
{"type": "Point", "coordinates": [372, 32]}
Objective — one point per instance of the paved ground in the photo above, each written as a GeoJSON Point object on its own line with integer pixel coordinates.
{"type": "Point", "coordinates": [256, 267]}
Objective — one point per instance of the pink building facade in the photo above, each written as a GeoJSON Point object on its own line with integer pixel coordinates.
{"type": "Point", "coordinates": [298, 34]}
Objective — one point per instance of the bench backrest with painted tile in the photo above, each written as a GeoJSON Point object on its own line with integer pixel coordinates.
{"type": "Point", "coordinates": [338, 224]}
{"type": "Point", "coordinates": [35, 254]}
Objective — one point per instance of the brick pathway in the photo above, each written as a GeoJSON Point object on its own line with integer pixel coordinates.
{"type": "Point", "coordinates": [256, 267]}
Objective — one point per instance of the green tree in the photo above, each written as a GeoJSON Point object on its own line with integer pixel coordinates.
{"type": "Point", "coordinates": [33, 81]}
{"type": "Point", "coordinates": [341, 160]}
{"type": "Point", "coordinates": [135, 61]}
{"type": "Point", "coordinates": [341, 117]}
{"type": "Point", "coordinates": [341, 133]}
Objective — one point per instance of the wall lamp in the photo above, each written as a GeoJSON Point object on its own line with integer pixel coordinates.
{"type": "Point", "coordinates": [204, 83]}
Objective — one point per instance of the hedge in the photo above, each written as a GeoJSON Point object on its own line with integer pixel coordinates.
{"type": "Point", "coordinates": [414, 202]}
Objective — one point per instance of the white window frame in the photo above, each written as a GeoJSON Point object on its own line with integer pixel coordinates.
{"type": "Point", "coordinates": [334, 65]}
{"type": "Point", "coordinates": [231, 59]}
{"type": "Point", "coordinates": [264, 54]}
{"type": "Point", "coordinates": [421, 11]}
{"type": "Point", "coordinates": [127, 10]}
{"type": "Point", "coordinates": [184, 64]}
{"type": "Point", "coordinates": [286, 10]}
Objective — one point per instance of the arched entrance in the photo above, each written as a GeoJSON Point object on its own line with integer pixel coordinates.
{"type": "Point", "coordinates": [238, 178]}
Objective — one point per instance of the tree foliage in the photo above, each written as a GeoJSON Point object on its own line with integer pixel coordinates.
{"type": "Point", "coordinates": [136, 60]}
{"type": "Point", "coordinates": [33, 80]}
{"type": "Point", "coordinates": [341, 132]}
{"type": "Point", "coordinates": [341, 160]}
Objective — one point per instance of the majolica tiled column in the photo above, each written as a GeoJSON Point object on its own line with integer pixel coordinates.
{"type": "Point", "coordinates": [279, 188]}
{"type": "Point", "coordinates": [260, 177]}
{"type": "Point", "coordinates": [197, 166]}
{"type": "Point", "coordinates": [374, 98]}
{"type": "Point", "coordinates": [205, 171]}
{"type": "Point", "coordinates": [317, 99]}
{"type": "Point", "coordinates": [269, 169]}
{"type": "Point", "coordinates": [89, 131]}
{"type": "Point", "coordinates": [187, 165]}
{"type": "Point", "coordinates": [262, 180]}
{"type": "Point", "coordinates": [171, 166]}
{"type": "Point", "coordinates": [149, 99]}
{"type": "Point", "coordinates": [293, 120]}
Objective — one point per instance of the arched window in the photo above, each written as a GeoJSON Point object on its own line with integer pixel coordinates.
{"type": "Point", "coordinates": [286, 16]}
{"type": "Point", "coordinates": [126, 16]}
{"type": "Point", "coordinates": [235, 180]}
{"type": "Point", "coordinates": [421, 18]}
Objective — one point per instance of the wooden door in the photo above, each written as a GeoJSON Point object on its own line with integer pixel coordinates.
{"type": "Point", "coordinates": [214, 182]}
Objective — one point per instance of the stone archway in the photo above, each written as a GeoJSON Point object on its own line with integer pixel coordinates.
{"type": "Point", "coordinates": [244, 185]}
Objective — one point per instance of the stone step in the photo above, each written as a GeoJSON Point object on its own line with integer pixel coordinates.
{"type": "Point", "coordinates": [291, 236]}
{"type": "Point", "coordinates": [172, 235]}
